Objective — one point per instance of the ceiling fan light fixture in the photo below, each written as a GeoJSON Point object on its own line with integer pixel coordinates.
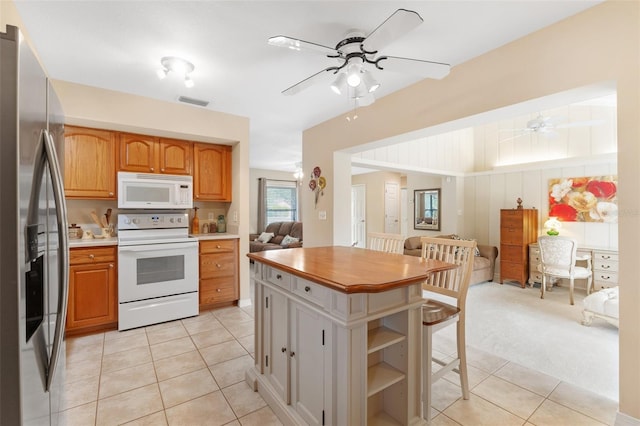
{"type": "Point", "coordinates": [353, 75]}
{"type": "Point", "coordinates": [162, 73]}
{"type": "Point", "coordinates": [339, 84]}
{"type": "Point", "coordinates": [370, 83]}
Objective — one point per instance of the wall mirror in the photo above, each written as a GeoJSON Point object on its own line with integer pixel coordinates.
{"type": "Point", "coordinates": [427, 209]}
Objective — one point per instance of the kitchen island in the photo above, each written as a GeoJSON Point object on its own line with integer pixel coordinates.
{"type": "Point", "coordinates": [337, 334]}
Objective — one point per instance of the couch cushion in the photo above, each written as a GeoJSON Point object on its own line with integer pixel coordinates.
{"type": "Point", "coordinates": [480, 262]}
{"type": "Point", "coordinates": [412, 243]}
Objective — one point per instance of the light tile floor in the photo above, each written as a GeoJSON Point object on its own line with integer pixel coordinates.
{"type": "Point", "coordinates": [191, 372]}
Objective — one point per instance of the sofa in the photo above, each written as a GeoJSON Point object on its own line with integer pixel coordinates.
{"type": "Point", "coordinates": [279, 230]}
{"type": "Point", "coordinates": [483, 265]}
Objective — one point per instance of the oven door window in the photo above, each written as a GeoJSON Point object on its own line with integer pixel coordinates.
{"type": "Point", "coordinates": [160, 269]}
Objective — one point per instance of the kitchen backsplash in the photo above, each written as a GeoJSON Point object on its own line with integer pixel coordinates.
{"type": "Point", "coordinates": [79, 212]}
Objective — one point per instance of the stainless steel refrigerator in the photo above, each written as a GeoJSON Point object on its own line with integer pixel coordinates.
{"type": "Point", "coordinates": [33, 240]}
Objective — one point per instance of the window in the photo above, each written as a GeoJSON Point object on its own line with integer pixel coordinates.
{"type": "Point", "coordinates": [281, 201]}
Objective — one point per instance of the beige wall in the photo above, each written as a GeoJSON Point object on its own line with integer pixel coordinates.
{"type": "Point", "coordinates": [375, 201]}
{"type": "Point", "coordinates": [599, 45]}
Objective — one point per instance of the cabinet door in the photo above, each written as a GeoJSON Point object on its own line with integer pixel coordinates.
{"type": "Point", "coordinates": [212, 172]}
{"type": "Point", "coordinates": [308, 352]}
{"type": "Point", "coordinates": [92, 295]}
{"type": "Point", "coordinates": [276, 330]}
{"type": "Point", "coordinates": [89, 163]}
{"type": "Point", "coordinates": [175, 156]}
{"type": "Point", "coordinates": [138, 153]}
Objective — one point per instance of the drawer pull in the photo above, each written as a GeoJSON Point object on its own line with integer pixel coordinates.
{"type": "Point", "coordinates": [292, 354]}
{"type": "Point", "coordinates": [91, 257]}
{"type": "Point", "coordinates": [605, 278]}
{"type": "Point", "coordinates": [218, 246]}
{"type": "Point", "coordinates": [606, 257]}
{"type": "Point", "coordinates": [111, 265]}
{"type": "Point", "coordinates": [218, 290]}
{"type": "Point", "coordinates": [307, 288]}
{"type": "Point", "coordinates": [283, 350]}
{"type": "Point", "coordinates": [218, 265]}
{"type": "Point", "coordinates": [605, 266]}
{"type": "Point", "coordinates": [278, 277]}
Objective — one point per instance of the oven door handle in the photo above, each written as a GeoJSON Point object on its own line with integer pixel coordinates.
{"type": "Point", "coordinates": [157, 247]}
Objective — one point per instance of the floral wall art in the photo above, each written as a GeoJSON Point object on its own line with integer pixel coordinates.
{"type": "Point", "coordinates": [317, 183]}
{"type": "Point", "coordinates": [584, 199]}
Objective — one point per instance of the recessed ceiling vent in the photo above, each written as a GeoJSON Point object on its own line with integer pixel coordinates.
{"type": "Point", "coordinates": [192, 101]}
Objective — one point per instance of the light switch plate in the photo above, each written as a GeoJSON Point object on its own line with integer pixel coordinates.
{"type": "Point", "coordinates": [322, 215]}
{"type": "Point", "coordinates": [210, 216]}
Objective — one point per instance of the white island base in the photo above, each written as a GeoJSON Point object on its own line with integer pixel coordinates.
{"type": "Point", "coordinates": [325, 356]}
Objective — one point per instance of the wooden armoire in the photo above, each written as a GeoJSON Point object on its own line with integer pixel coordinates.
{"type": "Point", "coordinates": [518, 228]}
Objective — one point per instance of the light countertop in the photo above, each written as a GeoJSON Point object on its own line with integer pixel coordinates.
{"type": "Point", "coordinates": [113, 241]}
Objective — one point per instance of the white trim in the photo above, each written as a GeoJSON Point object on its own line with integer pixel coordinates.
{"type": "Point", "coordinates": [625, 420]}
{"type": "Point", "coordinates": [243, 303]}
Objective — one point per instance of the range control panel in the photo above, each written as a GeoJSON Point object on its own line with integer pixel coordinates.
{"type": "Point", "coordinates": [152, 220]}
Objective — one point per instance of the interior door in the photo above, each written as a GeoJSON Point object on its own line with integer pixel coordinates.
{"type": "Point", "coordinates": [391, 208]}
{"type": "Point", "coordinates": [358, 216]}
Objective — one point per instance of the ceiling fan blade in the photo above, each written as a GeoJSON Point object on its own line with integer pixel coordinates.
{"type": "Point", "coordinates": [309, 81]}
{"type": "Point", "coordinates": [426, 69]}
{"type": "Point", "coordinates": [395, 26]}
{"type": "Point", "coordinates": [301, 45]}
{"type": "Point", "coordinates": [579, 124]}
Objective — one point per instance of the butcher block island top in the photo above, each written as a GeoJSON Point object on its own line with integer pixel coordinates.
{"type": "Point", "coordinates": [352, 269]}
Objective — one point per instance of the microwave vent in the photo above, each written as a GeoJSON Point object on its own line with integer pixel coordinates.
{"type": "Point", "coordinates": [193, 101]}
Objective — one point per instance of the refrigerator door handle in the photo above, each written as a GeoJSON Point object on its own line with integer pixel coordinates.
{"type": "Point", "coordinates": [63, 269]}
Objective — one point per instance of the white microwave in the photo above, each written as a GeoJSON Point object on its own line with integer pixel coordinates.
{"type": "Point", "coordinates": [154, 191]}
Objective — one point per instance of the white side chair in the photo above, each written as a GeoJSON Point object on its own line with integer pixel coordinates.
{"type": "Point", "coordinates": [388, 243]}
{"type": "Point", "coordinates": [436, 314]}
{"type": "Point", "coordinates": [558, 260]}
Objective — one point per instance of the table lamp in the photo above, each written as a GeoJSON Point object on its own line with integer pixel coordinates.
{"type": "Point", "coordinates": [552, 225]}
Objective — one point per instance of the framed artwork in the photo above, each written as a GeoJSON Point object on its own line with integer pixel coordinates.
{"type": "Point", "coordinates": [584, 199]}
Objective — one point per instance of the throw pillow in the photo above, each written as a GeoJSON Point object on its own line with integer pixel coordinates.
{"type": "Point", "coordinates": [288, 240]}
{"type": "Point", "coordinates": [265, 237]}
{"type": "Point", "coordinates": [457, 237]}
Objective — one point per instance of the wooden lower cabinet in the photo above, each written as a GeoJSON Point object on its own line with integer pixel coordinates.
{"type": "Point", "coordinates": [93, 290]}
{"type": "Point", "coordinates": [219, 273]}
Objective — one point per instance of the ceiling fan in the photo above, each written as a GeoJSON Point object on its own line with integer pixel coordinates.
{"type": "Point", "coordinates": [547, 126]}
{"type": "Point", "coordinates": [357, 54]}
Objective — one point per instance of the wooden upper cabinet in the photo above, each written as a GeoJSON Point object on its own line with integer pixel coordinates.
{"type": "Point", "coordinates": [175, 156]}
{"type": "Point", "coordinates": [148, 154]}
{"type": "Point", "coordinates": [212, 172]}
{"type": "Point", "coordinates": [89, 163]}
{"type": "Point", "coordinates": [138, 153]}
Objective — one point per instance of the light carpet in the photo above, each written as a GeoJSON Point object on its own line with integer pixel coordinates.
{"type": "Point", "coordinates": [543, 334]}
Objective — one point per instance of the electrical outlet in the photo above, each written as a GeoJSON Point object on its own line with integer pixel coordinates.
{"type": "Point", "coordinates": [210, 216]}
{"type": "Point", "coordinates": [235, 215]}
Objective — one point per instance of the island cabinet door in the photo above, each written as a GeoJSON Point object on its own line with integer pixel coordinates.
{"type": "Point", "coordinates": [310, 360]}
{"type": "Point", "coordinates": [276, 335]}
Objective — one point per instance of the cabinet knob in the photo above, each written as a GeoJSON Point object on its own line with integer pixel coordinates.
{"type": "Point", "coordinates": [307, 289]}
{"type": "Point", "coordinates": [197, 196]}
{"type": "Point", "coordinates": [218, 265]}
{"type": "Point", "coordinates": [111, 194]}
{"type": "Point", "coordinates": [111, 265]}
{"type": "Point", "coordinates": [151, 168]}
{"type": "Point", "coordinates": [218, 246]}
{"type": "Point", "coordinates": [162, 170]}
{"type": "Point", "coordinates": [218, 290]}
{"type": "Point", "coordinates": [283, 350]}
{"type": "Point", "coordinates": [279, 277]}
{"type": "Point", "coordinates": [91, 256]}
{"type": "Point", "coordinates": [292, 354]}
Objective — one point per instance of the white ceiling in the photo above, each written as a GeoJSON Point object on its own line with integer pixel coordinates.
{"type": "Point", "coordinates": [117, 45]}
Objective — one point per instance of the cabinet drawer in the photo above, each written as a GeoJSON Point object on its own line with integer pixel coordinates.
{"type": "Point", "coordinates": [217, 290]}
{"type": "Point", "coordinates": [313, 292]}
{"type": "Point", "coordinates": [218, 246]}
{"type": "Point", "coordinates": [511, 270]}
{"type": "Point", "coordinates": [604, 256]}
{"type": "Point", "coordinates": [606, 277]}
{"type": "Point", "coordinates": [217, 265]}
{"type": "Point", "coordinates": [277, 277]}
{"type": "Point", "coordinates": [535, 276]}
{"type": "Point", "coordinates": [511, 253]}
{"type": "Point", "coordinates": [511, 235]}
{"type": "Point", "coordinates": [82, 256]}
{"type": "Point", "coordinates": [508, 220]}
{"type": "Point", "coordinates": [605, 266]}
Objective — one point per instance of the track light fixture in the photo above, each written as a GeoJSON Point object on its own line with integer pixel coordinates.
{"type": "Point", "coordinates": [177, 65]}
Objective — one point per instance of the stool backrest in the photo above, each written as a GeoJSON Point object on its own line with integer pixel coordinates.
{"type": "Point", "coordinates": [388, 243]}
